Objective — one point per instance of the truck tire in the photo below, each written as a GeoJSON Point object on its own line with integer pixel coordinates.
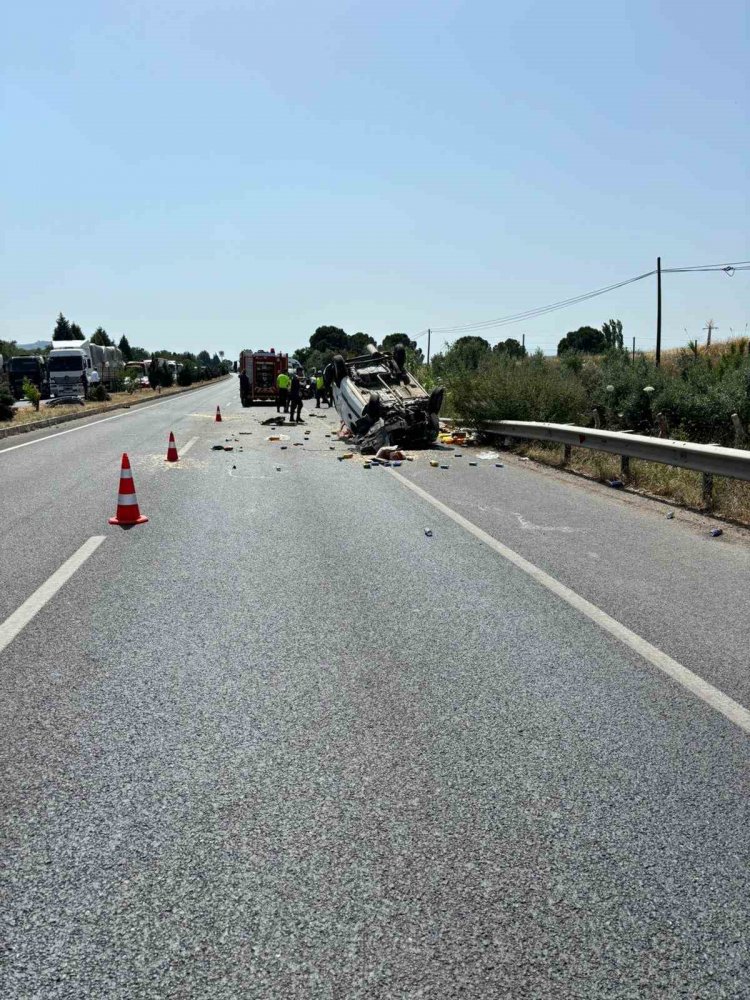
{"type": "Point", "coordinates": [339, 368]}
{"type": "Point", "coordinates": [374, 407]}
{"type": "Point", "coordinates": [399, 356]}
{"type": "Point", "coordinates": [436, 400]}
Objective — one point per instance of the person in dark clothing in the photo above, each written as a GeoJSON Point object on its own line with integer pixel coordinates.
{"type": "Point", "coordinates": [244, 388]}
{"type": "Point", "coordinates": [295, 400]}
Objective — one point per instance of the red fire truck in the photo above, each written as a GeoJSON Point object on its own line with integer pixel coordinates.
{"type": "Point", "coordinates": [258, 373]}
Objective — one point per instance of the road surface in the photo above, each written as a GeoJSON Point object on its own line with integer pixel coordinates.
{"type": "Point", "coordinates": [280, 743]}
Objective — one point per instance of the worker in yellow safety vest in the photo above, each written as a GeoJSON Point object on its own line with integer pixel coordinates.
{"type": "Point", "coordinates": [320, 390]}
{"type": "Point", "coordinates": [282, 396]}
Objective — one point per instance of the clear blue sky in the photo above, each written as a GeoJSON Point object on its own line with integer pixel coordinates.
{"type": "Point", "coordinates": [228, 174]}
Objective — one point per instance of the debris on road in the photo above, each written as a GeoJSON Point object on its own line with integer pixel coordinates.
{"type": "Point", "coordinates": [472, 463]}
{"type": "Point", "coordinates": [428, 532]}
{"type": "Point", "coordinates": [616, 484]}
{"type": "Point", "coordinates": [499, 465]}
{"type": "Point", "coordinates": [488, 456]}
{"type": "Point", "coordinates": [434, 464]}
{"type": "Point", "coordinates": [347, 454]}
{"type": "Point", "coordinates": [716, 532]}
{"type": "Point", "coordinates": [670, 515]}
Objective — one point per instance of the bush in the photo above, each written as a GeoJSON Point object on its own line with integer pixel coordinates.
{"type": "Point", "coordinates": [98, 394]}
{"type": "Point", "coordinates": [7, 403]}
{"type": "Point", "coordinates": [166, 378]}
{"type": "Point", "coordinates": [185, 376]}
{"type": "Point", "coordinates": [31, 392]}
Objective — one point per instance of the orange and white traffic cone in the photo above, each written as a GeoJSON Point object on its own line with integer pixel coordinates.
{"type": "Point", "coordinates": [127, 504]}
{"type": "Point", "coordinates": [217, 418]}
{"type": "Point", "coordinates": [172, 455]}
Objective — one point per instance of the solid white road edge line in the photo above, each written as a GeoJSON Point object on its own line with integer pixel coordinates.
{"type": "Point", "coordinates": [95, 423]}
{"type": "Point", "coordinates": [733, 711]}
{"type": "Point", "coordinates": [187, 447]}
{"type": "Point", "coordinates": [30, 607]}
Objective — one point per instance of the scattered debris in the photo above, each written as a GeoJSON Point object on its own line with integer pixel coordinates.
{"type": "Point", "coordinates": [499, 465]}
{"type": "Point", "coordinates": [488, 456]}
{"type": "Point", "coordinates": [347, 454]}
{"type": "Point", "coordinates": [389, 452]}
{"type": "Point", "coordinates": [299, 444]}
{"type": "Point", "coordinates": [434, 464]}
{"type": "Point", "coordinates": [217, 447]}
{"type": "Point", "coordinates": [284, 447]}
{"type": "Point", "coordinates": [670, 515]}
{"type": "Point", "coordinates": [715, 532]}
{"type": "Point", "coordinates": [616, 484]}
{"type": "Point", "coordinates": [270, 422]}
{"type": "Point", "coordinates": [366, 465]}
{"type": "Point", "coordinates": [228, 447]}
{"type": "Point", "coordinates": [524, 458]}
{"type": "Point", "coordinates": [443, 466]}
{"type": "Point", "coordinates": [472, 463]}
{"type": "Point", "coordinates": [428, 532]}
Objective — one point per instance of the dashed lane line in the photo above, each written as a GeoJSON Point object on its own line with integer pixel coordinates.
{"type": "Point", "coordinates": [186, 448]}
{"type": "Point", "coordinates": [34, 604]}
{"type": "Point", "coordinates": [712, 696]}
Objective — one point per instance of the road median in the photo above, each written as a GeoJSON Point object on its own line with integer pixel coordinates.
{"type": "Point", "coordinates": [95, 410]}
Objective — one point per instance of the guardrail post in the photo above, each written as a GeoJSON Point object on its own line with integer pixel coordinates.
{"type": "Point", "coordinates": [567, 453]}
{"type": "Point", "coordinates": [739, 431]}
{"type": "Point", "coordinates": [708, 490]}
{"type": "Point", "coordinates": [625, 466]}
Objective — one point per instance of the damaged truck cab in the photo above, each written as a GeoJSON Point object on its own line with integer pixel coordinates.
{"type": "Point", "coordinates": [381, 402]}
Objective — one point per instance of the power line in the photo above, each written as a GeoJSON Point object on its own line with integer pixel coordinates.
{"type": "Point", "coordinates": [729, 269]}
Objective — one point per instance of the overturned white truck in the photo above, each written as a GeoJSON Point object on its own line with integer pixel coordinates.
{"type": "Point", "coordinates": [381, 402]}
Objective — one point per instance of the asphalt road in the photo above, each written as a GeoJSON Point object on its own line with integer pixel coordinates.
{"type": "Point", "coordinates": [279, 743]}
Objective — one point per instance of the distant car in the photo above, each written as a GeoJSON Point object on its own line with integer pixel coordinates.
{"type": "Point", "coordinates": [381, 403]}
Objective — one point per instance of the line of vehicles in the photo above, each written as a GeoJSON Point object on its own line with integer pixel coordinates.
{"type": "Point", "coordinates": [374, 395]}
{"type": "Point", "coordinates": [72, 367]}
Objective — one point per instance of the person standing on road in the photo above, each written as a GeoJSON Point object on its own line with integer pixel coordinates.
{"type": "Point", "coordinates": [320, 390]}
{"type": "Point", "coordinates": [282, 395]}
{"type": "Point", "coordinates": [295, 400]}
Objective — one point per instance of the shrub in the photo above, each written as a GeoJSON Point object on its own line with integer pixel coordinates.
{"type": "Point", "coordinates": [185, 376]}
{"type": "Point", "coordinates": [31, 392]}
{"type": "Point", "coordinates": [7, 403]}
{"type": "Point", "coordinates": [98, 394]}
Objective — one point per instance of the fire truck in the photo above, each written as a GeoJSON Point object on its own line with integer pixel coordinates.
{"type": "Point", "coordinates": [258, 373]}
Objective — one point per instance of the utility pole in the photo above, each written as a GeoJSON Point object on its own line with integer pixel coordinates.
{"type": "Point", "coordinates": [633, 350]}
{"type": "Point", "coordinates": [523, 341]}
{"type": "Point", "coordinates": [709, 328]}
{"type": "Point", "coordinates": [429, 332]}
{"type": "Point", "coordinates": [658, 311]}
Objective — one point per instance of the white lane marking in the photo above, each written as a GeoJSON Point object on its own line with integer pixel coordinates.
{"type": "Point", "coordinates": [528, 526]}
{"type": "Point", "coordinates": [95, 423]}
{"type": "Point", "coordinates": [722, 703]}
{"type": "Point", "coordinates": [187, 447]}
{"type": "Point", "coordinates": [30, 607]}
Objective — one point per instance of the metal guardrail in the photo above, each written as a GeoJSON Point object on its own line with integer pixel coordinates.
{"type": "Point", "coordinates": [709, 459]}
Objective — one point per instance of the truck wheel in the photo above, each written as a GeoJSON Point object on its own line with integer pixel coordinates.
{"type": "Point", "coordinates": [339, 368]}
{"type": "Point", "coordinates": [374, 407]}
{"type": "Point", "coordinates": [436, 400]}
{"type": "Point", "coordinates": [399, 356]}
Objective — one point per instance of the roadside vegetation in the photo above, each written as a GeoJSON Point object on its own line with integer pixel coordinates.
{"type": "Point", "coordinates": [193, 368]}
{"type": "Point", "coordinates": [699, 394]}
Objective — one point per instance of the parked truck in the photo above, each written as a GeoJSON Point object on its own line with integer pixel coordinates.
{"type": "Point", "coordinates": [72, 363]}
{"type": "Point", "coordinates": [31, 367]}
{"type": "Point", "coordinates": [258, 373]}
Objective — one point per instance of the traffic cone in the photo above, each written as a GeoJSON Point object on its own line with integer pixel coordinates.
{"type": "Point", "coordinates": [217, 418]}
{"type": "Point", "coordinates": [172, 455]}
{"type": "Point", "coordinates": [127, 504]}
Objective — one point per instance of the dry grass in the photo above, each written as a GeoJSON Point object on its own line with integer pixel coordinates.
{"type": "Point", "coordinates": [681, 486]}
{"type": "Point", "coordinates": [28, 415]}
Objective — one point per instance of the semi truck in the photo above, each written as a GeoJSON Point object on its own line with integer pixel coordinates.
{"type": "Point", "coordinates": [71, 365]}
{"type": "Point", "coordinates": [258, 373]}
{"type": "Point", "coordinates": [31, 367]}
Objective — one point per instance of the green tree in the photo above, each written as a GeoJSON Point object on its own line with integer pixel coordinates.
{"type": "Point", "coordinates": [511, 348]}
{"type": "Point", "coordinates": [467, 352]}
{"type": "Point", "coordinates": [585, 339]}
{"type": "Point", "coordinates": [7, 403]}
{"type": "Point", "coordinates": [62, 329]}
{"type": "Point", "coordinates": [101, 337]}
{"type": "Point", "coordinates": [612, 332]}
{"type": "Point", "coordinates": [358, 343]}
{"type": "Point", "coordinates": [329, 338]}
{"type": "Point", "coordinates": [127, 350]}
{"type": "Point", "coordinates": [76, 333]}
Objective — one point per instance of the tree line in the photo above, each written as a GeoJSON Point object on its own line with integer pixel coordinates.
{"type": "Point", "coordinates": [330, 340]}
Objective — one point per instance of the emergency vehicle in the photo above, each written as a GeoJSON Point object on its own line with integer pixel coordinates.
{"type": "Point", "coordinates": [258, 372]}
